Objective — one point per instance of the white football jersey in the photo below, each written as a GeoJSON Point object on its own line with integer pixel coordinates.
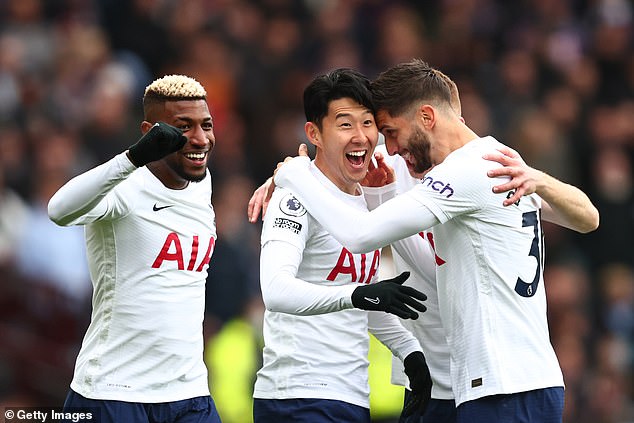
{"type": "Point", "coordinates": [416, 255]}
{"type": "Point", "coordinates": [491, 294]}
{"type": "Point", "coordinates": [308, 355]}
{"type": "Point", "coordinates": [148, 250]}
{"type": "Point", "coordinates": [491, 288]}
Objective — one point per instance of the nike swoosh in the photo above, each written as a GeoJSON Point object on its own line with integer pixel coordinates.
{"type": "Point", "coordinates": [372, 300]}
{"type": "Point", "coordinates": [157, 208]}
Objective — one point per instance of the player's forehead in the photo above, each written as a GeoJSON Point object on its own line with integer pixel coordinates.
{"type": "Point", "coordinates": [385, 121]}
{"type": "Point", "coordinates": [347, 107]}
{"type": "Point", "coordinates": [187, 110]}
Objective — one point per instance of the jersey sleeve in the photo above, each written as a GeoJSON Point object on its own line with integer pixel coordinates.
{"type": "Point", "coordinates": [358, 231]}
{"type": "Point", "coordinates": [82, 199]}
{"type": "Point", "coordinates": [388, 329]}
{"type": "Point", "coordinates": [286, 220]}
{"type": "Point", "coordinates": [284, 235]}
{"type": "Point", "coordinates": [453, 188]}
{"type": "Point", "coordinates": [375, 196]}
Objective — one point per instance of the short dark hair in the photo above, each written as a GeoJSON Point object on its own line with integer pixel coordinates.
{"type": "Point", "coordinates": [397, 89]}
{"type": "Point", "coordinates": [334, 85]}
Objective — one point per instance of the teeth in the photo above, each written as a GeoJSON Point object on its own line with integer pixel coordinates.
{"type": "Point", "coordinates": [356, 153]}
{"type": "Point", "coordinates": [195, 156]}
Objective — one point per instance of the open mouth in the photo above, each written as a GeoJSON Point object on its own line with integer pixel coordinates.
{"type": "Point", "coordinates": [357, 158]}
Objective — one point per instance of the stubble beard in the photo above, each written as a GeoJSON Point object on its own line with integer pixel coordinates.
{"type": "Point", "coordinates": [419, 147]}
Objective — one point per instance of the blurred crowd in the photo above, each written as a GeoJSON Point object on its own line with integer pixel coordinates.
{"type": "Point", "coordinates": [553, 79]}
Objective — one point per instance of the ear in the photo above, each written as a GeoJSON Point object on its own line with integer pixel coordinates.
{"type": "Point", "coordinates": [146, 126]}
{"type": "Point", "coordinates": [313, 134]}
{"type": "Point", "coordinates": [426, 115]}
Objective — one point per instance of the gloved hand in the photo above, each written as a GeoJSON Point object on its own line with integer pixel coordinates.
{"type": "Point", "coordinates": [390, 296]}
{"type": "Point", "coordinates": [162, 139]}
{"type": "Point", "coordinates": [420, 383]}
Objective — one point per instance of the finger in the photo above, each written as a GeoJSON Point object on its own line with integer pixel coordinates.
{"type": "Point", "coordinates": [413, 405]}
{"type": "Point", "coordinates": [302, 150]}
{"type": "Point", "coordinates": [412, 292]}
{"type": "Point", "coordinates": [371, 166]}
{"type": "Point", "coordinates": [269, 187]}
{"type": "Point", "coordinates": [400, 278]}
{"type": "Point", "coordinates": [402, 311]}
{"type": "Point", "coordinates": [511, 185]}
{"type": "Point", "coordinates": [499, 158]}
{"type": "Point", "coordinates": [502, 171]}
{"type": "Point", "coordinates": [508, 151]}
{"type": "Point", "coordinates": [253, 209]}
{"type": "Point", "coordinates": [413, 303]}
{"type": "Point", "coordinates": [380, 160]}
{"type": "Point", "coordinates": [514, 198]}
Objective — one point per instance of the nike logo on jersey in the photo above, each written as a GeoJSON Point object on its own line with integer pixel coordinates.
{"type": "Point", "coordinates": [372, 300]}
{"type": "Point", "coordinates": [157, 208]}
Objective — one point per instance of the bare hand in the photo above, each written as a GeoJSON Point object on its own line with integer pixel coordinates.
{"type": "Point", "coordinates": [379, 175]}
{"type": "Point", "coordinates": [260, 200]}
{"type": "Point", "coordinates": [524, 179]}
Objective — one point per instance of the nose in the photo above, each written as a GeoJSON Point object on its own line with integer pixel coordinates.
{"type": "Point", "coordinates": [199, 137]}
{"type": "Point", "coordinates": [391, 146]}
{"type": "Point", "coordinates": [366, 134]}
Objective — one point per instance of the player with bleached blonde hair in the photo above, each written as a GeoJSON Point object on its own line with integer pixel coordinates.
{"type": "Point", "coordinates": [150, 233]}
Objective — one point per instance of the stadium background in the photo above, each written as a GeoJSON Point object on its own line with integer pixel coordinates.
{"type": "Point", "coordinates": [553, 79]}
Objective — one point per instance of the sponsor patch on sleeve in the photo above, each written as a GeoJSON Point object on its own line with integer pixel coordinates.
{"type": "Point", "coordinates": [284, 223]}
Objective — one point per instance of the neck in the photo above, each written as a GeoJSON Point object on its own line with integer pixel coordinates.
{"type": "Point", "coordinates": [347, 187]}
{"type": "Point", "coordinates": [166, 175]}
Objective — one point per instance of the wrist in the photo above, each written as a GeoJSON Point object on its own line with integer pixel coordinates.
{"type": "Point", "coordinates": [129, 157]}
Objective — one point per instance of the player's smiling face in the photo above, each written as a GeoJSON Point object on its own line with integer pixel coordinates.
{"type": "Point", "coordinates": [405, 138]}
{"type": "Point", "coordinates": [345, 143]}
{"type": "Point", "coordinates": [193, 118]}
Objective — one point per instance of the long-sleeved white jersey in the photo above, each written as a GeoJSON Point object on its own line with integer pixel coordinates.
{"type": "Point", "coordinates": [316, 344]}
{"type": "Point", "coordinates": [148, 251]}
{"type": "Point", "coordinates": [416, 254]}
{"type": "Point", "coordinates": [491, 293]}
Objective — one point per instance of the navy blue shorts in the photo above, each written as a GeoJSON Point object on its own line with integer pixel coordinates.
{"type": "Point", "coordinates": [193, 410]}
{"type": "Point", "coordinates": [538, 406]}
{"type": "Point", "coordinates": [438, 411]}
{"type": "Point", "coordinates": [308, 410]}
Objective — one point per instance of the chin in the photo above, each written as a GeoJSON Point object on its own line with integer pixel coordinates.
{"type": "Point", "coordinates": [196, 177]}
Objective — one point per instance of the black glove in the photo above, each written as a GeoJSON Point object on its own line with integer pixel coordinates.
{"type": "Point", "coordinates": [420, 383]}
{"type": "Point", "coordinates": [162, 139]}
{"type": "Point", "coordinates": [389, 295]}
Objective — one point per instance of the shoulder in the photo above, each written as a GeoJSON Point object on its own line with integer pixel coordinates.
{"type": "Point", "coordinates": [285, 204]}
{"type": "Point", "coordinates": [286, 218]}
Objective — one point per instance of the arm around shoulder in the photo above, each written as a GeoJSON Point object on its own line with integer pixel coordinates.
{"type": "Point", "coordinates": [567, 205]}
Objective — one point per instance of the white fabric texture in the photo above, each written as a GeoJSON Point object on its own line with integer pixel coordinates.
{"type": "Point", "coordinates": [491, 293]}
{"type": "Point", "coordinates": [311, 349]}
{"type": "Point", "coordinates": [148, 250]}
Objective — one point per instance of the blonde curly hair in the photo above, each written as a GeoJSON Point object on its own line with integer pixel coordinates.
{"type": "Point", "coordinates": [171, 88]}
{"type": "Point", "coordinates": [175, 87]}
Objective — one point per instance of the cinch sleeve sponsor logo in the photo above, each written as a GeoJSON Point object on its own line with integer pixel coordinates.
{"type": "Point", "coordinates": [439, 186]}
{"type": "Point", "coordinates": [291, 225]}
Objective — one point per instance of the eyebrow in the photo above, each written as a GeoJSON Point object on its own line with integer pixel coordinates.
{"type": "Point", "coordinates": [347, 114]}
{"type": "Point", "coordinates": [189, 119]}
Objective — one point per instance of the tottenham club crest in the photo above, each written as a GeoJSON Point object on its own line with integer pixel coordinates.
{"type": "Point", "coordinates": [291, 206]}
